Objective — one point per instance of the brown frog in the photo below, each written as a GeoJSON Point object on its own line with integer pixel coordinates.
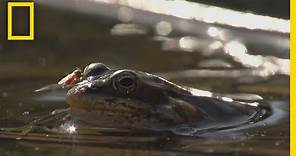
{"type": "Point", "coordinates": [133, 99]}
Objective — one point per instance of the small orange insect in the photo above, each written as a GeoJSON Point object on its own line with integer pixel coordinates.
{"type": "Point", "coordinates": [71, 78]}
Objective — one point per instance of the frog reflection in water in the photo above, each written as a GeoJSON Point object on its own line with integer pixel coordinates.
{"type": "Point", "coordinates": [129, 99]}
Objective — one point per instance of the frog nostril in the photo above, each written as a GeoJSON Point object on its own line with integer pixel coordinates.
{"type": "Point", "coordinates": [126, 82]}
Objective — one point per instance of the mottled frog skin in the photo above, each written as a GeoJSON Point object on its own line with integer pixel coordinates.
{"type": "Point", "coordinates": [133, 99]}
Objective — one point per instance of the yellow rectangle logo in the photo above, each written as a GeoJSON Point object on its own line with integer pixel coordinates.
{"type": "Point", "coordinates": [9, 25]}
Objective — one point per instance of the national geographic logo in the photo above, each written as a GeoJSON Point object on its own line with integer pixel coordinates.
{"type": "Point", "coordinates": [25, 10]}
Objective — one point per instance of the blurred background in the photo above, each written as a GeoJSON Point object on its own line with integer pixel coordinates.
{"type": "Point", "coordinates": [228, 46]}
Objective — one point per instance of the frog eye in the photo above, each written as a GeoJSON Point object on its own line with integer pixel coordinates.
{"type": "Point", "coordinates": [126, 83]}
{"type": "Point", "coordinates": [94, 69]}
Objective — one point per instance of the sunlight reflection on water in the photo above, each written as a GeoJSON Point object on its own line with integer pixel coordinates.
{"type": "Point", "coordinates": [190, 10]}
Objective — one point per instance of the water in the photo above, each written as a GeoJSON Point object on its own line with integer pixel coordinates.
{"type": "Point", "coordinates": [65, 40]}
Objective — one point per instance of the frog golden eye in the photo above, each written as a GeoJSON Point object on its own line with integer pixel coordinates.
{"type": "Point", "coordinates": [95, 69]}
{"type": "Point", "coordinates": [126, 83]}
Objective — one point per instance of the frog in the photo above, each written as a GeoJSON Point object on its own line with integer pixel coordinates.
{"type": "Point", "coordinates": [132, 99]}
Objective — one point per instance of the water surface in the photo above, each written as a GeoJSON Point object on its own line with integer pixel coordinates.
{"type": "Point", "coordinates": [68, 39]}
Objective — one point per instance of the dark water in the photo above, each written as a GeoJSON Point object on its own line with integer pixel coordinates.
{"type": "Point", "coordinates": [65, 40]}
